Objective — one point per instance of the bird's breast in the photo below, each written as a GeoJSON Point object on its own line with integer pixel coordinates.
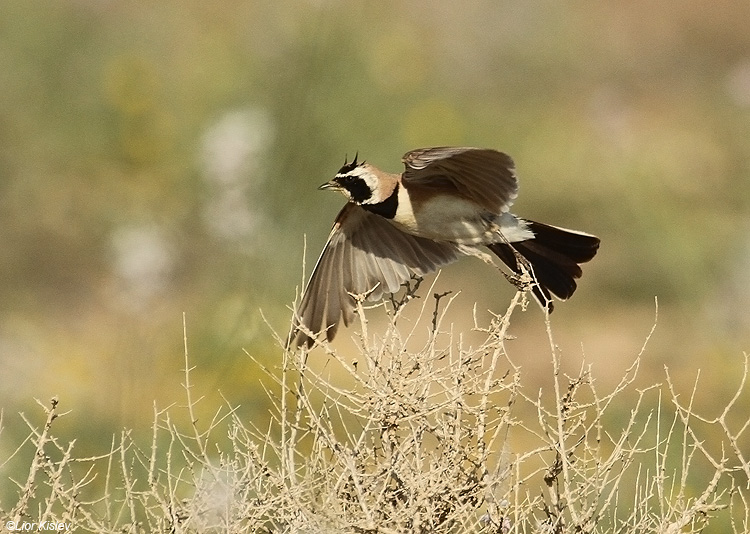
{"type": "Point", "coordinates": [444, 218]}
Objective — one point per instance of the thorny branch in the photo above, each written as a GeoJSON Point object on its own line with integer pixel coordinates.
{"type": "Point", "coordinates": [444, 438]}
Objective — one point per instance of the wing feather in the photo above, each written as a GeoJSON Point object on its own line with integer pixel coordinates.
{"type": "Point", "coordinates": [482, 175]}
{"type": "Point", "coordinates": [364, 254]}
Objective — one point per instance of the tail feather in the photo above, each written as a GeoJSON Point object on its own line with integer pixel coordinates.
{"type": "Point", "coordinates": [554, 254]}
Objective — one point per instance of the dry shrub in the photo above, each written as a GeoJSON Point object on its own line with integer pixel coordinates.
{"type": "Point", "coordinates": [399, 440]}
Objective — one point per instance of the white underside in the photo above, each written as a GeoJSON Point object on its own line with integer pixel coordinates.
{"type": "Point", "coordinates": [448, 218]}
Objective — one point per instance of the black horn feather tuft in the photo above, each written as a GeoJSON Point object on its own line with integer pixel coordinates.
{"type": "Point", "coordinates": [348, 167]}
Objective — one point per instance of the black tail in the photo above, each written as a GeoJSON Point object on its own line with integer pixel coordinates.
{"type": "Point", "coordinates": [554, 255]}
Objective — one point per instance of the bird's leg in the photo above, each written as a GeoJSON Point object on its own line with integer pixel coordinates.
{"type": "Point", "coordinates": [522, 281]}
{"type": "Point", "coordinates": [526, 278]}
{"type": "Point", "coordinates": [473, 251]}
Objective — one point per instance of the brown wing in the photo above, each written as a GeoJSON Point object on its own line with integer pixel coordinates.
{"type": "Point", "coordinates": [483, 175]}
{"type": "Point", "coordinates": [364, 253]}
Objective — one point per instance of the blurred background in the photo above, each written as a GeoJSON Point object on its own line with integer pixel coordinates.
{"type": "Point", "coordinates": [163, 157]}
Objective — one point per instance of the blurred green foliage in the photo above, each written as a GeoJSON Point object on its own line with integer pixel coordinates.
{"type": "Point", "coordinates": [162, 157]}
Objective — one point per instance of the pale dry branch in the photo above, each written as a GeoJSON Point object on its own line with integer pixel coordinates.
{"type": "Point", "coordinates": [397, 439]}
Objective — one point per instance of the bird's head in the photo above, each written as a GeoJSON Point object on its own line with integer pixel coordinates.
{"type": "Point", "coordinates": [360, 183]}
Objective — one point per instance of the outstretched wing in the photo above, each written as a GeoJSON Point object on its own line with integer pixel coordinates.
{"type": "Point", "coordinates": [364, 254]}
{"type": "Point", "coordinates": [482, 175]}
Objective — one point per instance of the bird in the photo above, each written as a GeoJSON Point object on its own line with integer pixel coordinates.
{"type": "Point", "coordinates": [449, 202]}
